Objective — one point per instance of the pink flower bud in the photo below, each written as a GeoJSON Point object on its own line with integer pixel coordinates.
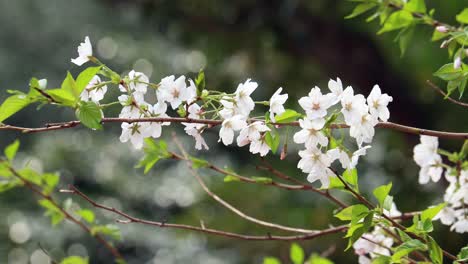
{"type": "Point", "coordinates": [457, 62]}
{"type": "Point", "coordinates": [442, 29]}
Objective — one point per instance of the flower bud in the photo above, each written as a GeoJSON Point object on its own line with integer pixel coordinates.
{"type": "Point", "coordinates": [442, 29]}
{"type": "Point", "coordinates": [457, 62]}
{"type": "Point", "coordinates": [444, 44]}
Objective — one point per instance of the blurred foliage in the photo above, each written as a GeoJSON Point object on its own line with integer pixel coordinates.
{"type": "Point", "coordinates": [294, 44]}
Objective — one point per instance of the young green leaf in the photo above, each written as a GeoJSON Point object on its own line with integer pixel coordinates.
{"type": "Point", "coordinates": [296, 254]}
{"type": "Point", "coordinates": [74, 260]}
{"type": "Point", "coordinates": [64, 97]}
{"type": "Point", "coordinates": [397, 20]}
{"type": "Point", "coordinates": [416, 6]}
{"type": "Point", "coordinates": [87, 215]}
{"type": "Point", "coordinates": [408, 247]}
{"type": "Point", "coordinates": [231, 178]}
{"type": "Point", "coordinates": [10, 150]}
{"type": "Point", "coordinates": [154, 151]}
{"type": "Point", "coordinates": [271, 260]}
{"type": "Point", "coordinates": [381, 193]}
{"type": "Point", "coordinates": [435, 252]}
{"type": "Point", "coordinates": [462, 17]}
{"type": "Point", "coordinates": [56, 216]}
{"type": "Point", "coordinates": [317, 259]}
{"type": "Point", "coordinates": [69, 85]}
{"type": "Point", "coordinates": [272, 139]}
{"type": "Point", "coordinates": [200, 82]}
{"type": "Point", "coordinates": [360, 9]}
{"type": "Point", "coordinates": [89, 114]}
{"type": "Point", "coordinates": [109, 230]}
{"type": "Point", "coordinates": [85, 77]}
{"type": "Point", "coordinates": [12, 105]}
{"type": "Point", "coordinates": [431, 212]}
{"type": "Point", "coordinates": [448, 72]}
{"type": "Point", "coordinates": [199, 163]}
{"type": "Point", "coordinates": [288, 116]}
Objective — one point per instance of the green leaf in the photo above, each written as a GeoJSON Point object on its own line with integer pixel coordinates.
{"type": "Point", "coordinates": [360, 9]}
{"type": "Point", "coordinates": [199, 163]}
{"type": "Point", "coordinates": [271, 260]}
{"type": "Point", "coordinates": [9, 184]}
{"type": "Point", "coordinates": [381, 193]}
{"type": "Point", "coordinates": [85, 77]}
{"type": "Point", "coordinates": [50, 180]}
{"type": "Point", "coordinates": [5, 170]}
{"type": "Point", "coordinates": [462, 17]}
{"type": "Point", "coordinates": [56, 216]}
{"type": "Point", "coordinates": [351, 177]}
{"type": "Point", "coordinates": [417, 6]}
{"type": "Point", "coordinates": [86, 214]}
{"type": "Point", "coordinates": [262, 180]}
{"type": "Point", "coordinates": [108, 230]}
{"type": "Point", "coordinates": [69, 85]}
{"type": "Point", "coordinates": [231, 178]}
{"type": "Point", "coordinates": [430, 213]}
{"type": "Point", "coordinates": [272, 139]}
{"type": "Point", "coordinates": [435, 252]}
{"type": "Point", "coordinates": [74, 260]}
{"type": "Point", "coordinates": [288, 116]}
{"type": "Point", "coordinates": [382, 260]}
{"type": "Point", "coordinates": [12, 105]}
{"type": "Point", "coordinates": [357, 229]}
{"type": "Point", "coordinates": [397, 20]}
{"type": "Point", "coordinates": [154, 151]}
{"type": "Point", "coordinates": [200, 82]}
{"type": "Point", "coordinates": [89, 114]}
{"type": "Point", "coordinates": [64, 97]}
{"type": "Point", "coordinates": [405, 38]}
{"type": "Point", "coordinates": [317, 259]}
{"type": "Point", "coordinates": [353, 213]}
{"type": "Point", "coordinates": [408, 247]}
{"type": "Point", "coordinates": [463, 255]}
{"type": "Point", "coordinates": [448, 73]}
{"type": "Point", "coordinates": [296, 254]}
{"type": "Point", "coordinates": [10, 150]}
{"type": "Point", "coordinates": [437, 35]}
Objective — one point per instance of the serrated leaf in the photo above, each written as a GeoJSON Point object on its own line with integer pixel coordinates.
{"type": "Point", "coordinates": [382, 260]}
{"type": "Point", "coordinates": [74, 260]}
{"type": "Point", "coordinates": [10, 150]}
{"type": "Point", "coordinates": [6, 185]}
{"type": "Point", "coordinates": [69, 85]}
{"type": "Point", "coordinates": [463, 255]}
{"type": "Point", "coordinates": [85, 77]}
{"type": "Point", "coordinates": [296, 254]}
{"type": "Point", "coordinates": [12, 105]}
{"type": "Point", "coordinates": [87, 215]}
{"type": "Point", "coordinates": [408, 247]}
{"type": "Point", "coordinates": [381, 193]}
{"type": "Point", "coordinates": [154, 151]}
{"type": "Point", "coordinates": [317, 259]}
{"type": "Point", "coordinates": [108, 230]}
{"type": "Point", "coordinates": [89, 114]}
{"type": "Point", "coordinates": [430, 213]}
{"type": "Point", "coordinates": [435, 252]}
{"type": "Point", "coordinates": [354, 212]}
{"type": "Point", "coordinates": [397, 20]}
{"type": "Point", "coordinates": [288, 116]}
{"type": "Point", "coordinates": [56, 216]}
{"type": "Point", "coordinates": [272, 139]}
{"type": "Point", "coordinates": [462, 17]}
{"type": "Point", "coordinates": [200, 82]}
{"type": "Point", "coordinates": [448, 73]}
{"type": "Point", "coordinates": [64, 97]}
{"type": "Point", "coordinates": [405, 39]}
{"type": "Point", "coordinates": [50, 180]}
{"type": "Point", "coordinates": [360, 9]}
{"type": "Point", "coordinates": [357, 229]}
{"type": "Point", "coordinates": [351, 177]}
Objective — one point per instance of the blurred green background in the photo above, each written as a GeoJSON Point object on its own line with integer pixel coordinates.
{"type": "Point", "coordinates": [294, 44]}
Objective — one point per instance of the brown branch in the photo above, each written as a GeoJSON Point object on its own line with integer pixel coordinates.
{"type": "Point", "coordinates": [446, 96]}
{"type": "Point", "coordinates": [211, 122]}
{"type": "Point", "coordinates": [228, 205]}
{"type": "Point", "coordinates": [202, 229]}
{"type": "Point", "coordinates": [67, 216]}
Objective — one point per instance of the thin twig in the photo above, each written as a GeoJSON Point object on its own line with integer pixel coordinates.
{"type": "Point", "coordinates": [68, 216]}
{"type": "Point", "coordinates": [132, 219]}
{"type": "Point", "coordinates": [212, 122]}
{"type": "Point", "coordinates": [446, 96]}
{"type": "Point", "coordinates": [228, 205]}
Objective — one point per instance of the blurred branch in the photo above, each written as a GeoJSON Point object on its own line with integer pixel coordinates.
{"type": "Point", "coordinates": [446, 96]}
{"type": "Point", "coordinates": [211, 122]}
{"type": "Point", "coordinates": [68, 216]}
{"type": "Point", "coordinates": [130, 219]}
{"type": "Point", "coordinates": [228, 205]}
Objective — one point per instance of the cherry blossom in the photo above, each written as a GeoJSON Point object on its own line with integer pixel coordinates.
{"type": "Point", "coordinates": [354, 106]}
{"type": "Point", "coordinates": [378, 103]}
{"type": "Point", "coordinates": [363, 246]}
{"type": "Point", "coordinates": [316, 163]}
{"type": "Point", "coordinates": [362, 129]}
{"type": "Point", "coordinates": [345, 160]}
{"type": "Point", "coordinates": [251, 133]}
{"type": "Point", "coordinates": [192, 130]}
{"type": "Point", "coordinates": [226, 133]}
{"type": "Point", "coordinates": [93, 90]}
{"type": "Point", "coordinates": [158, 110]}
{"type": "Point", "coordinates": [259, 146]}
{"type": "Point", "coordinates": [316, 104]}
{"type": "Point", "coordinates": [138, 82]}
{"type": "Point", "coordinates": [426, 156]}
{"type": "Point", "coordinates": [276, 102]}
{"type": "Point", "coordinates": [310, 133]}
{"type": "Point", "coordinates": [85, 50]}
{"type": "Point", "coordinates": [242, 96]}
{"type": "Point", "coordinates": [174, 91]}
{"type": "Point", "coordinates": [336, 87]}
{"type": "Point", "coordinates": [135, 133]}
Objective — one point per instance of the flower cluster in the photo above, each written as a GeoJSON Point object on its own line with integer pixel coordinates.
{"type": "Point", "coordinates": [359, 114]}
{"type": "Point", "coordinates": [456, 195]}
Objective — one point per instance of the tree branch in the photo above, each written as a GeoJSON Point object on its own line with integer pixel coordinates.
{"type": "Point", "coordinates": [212, 122]}
{"type": "Point", "coordinates": [202, 229]}
{"type": "Point", "coordinates": [446, 96]}
{"type": "Point", "coordinates": [67, 216]}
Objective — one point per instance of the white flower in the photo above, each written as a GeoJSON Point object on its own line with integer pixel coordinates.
{"type": "Point", "coordinates": [251, 133]}
{"type": "Point", "coordinates": [193, 131]}
{"type": "Point", "coordinates": [131, 103]}
{"type": "Point", "coordinates": [235, 123]}
{"type": "Point", "coordinates": [173, 91]}
{"type": "Point", "coordinates": [135, 132]}
{"type": "Point", "coordinates": [378, 103]}
{"type": "Point", "coordinates": [354, 106]}
{"type": "Point", "coordinates": [446, 216]}
{"type": "Point", "coordinates": [158, 110]}
{"type": "Point", "coordinates": [345, 160]}
{"type": "Point", "coordinates": [191, 95]}
{"type": "Point", "coordinates": [430, 172]}
{"type": "Point", "coordinates": [231, 109]}
{"type": "Point", "coordinates": [461, 226]}
{"type": "Point", "coordinates": [310, 133]}
{"type": "Point", "coordinates": [92, 92]}
{"type": "Point", "coordinates": [317, 164]}
{"type": "Point", "coordinates": [85, 50]}
{"type": "Point", "coordinates": [138, 82]}
{"type": "Point", "coordinates": [363, 129]}
{"type": "Point", "coordinates": [277, 101]}
{"type": "Point", "coordinates": [316, 104]}
{"type": "Point", "coordinates": [425, 153]}
{"type": "Point", "coordinates": [259, 146]}
{"type": "Point", "coordinates": [242, 96]}
{"type": "Point", "coordinates": [42, 83]}
{"type": "Point", "coordinates": [336, 87]}
{"type": "Point", "coordinates": [457, 62]}
{"type": "Point", "coordinates": [380, 246]}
